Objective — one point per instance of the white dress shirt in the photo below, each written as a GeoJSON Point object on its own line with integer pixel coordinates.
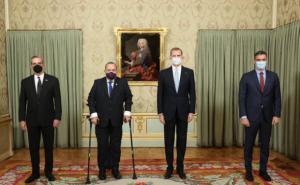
{"type": "Point", "coordinates": [112, 84]}
{"type": "Point", "coordinates": [179, 71]}
{"type": "Point", "coordinates": [258, 75]}
{"type": "Point", "coordinates": [36, 80]}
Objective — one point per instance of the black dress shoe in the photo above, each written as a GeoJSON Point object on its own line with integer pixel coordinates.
{"type": "Point", "coordinates": [31, 178]}
{"type": "Point", "coordinates": [168, 173]}
{"type": "Point", "coordinates": [249, 177]}
{"type": "Point", "coordinates": [116, 173]}
{"type": "Point", "coordinates": [50, 177]}
{"type": "Point", "coordinates": [265, 176]}
{"type": "Point", "coordinates": [102, 174]}
{"type": "Point", "coordinates": [181, 174]}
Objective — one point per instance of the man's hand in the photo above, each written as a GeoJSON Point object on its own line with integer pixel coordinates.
{"type": "Point", "coordinates": [23, 125]}
{"type": "Point", "coordinates": [95, 120]}
{"type": "Point", "coordinates": [126, 119]}
{"type": "Point", "coordinates": [56, 123]}
{"type": "Point", "coordinates": [245, 122]}
{"type": "Point", "coordinates": [162, 118]}
{"type": "Point", "coordinates": [275, 120]}
{"type": "Point", "coordinates": [190, 117]}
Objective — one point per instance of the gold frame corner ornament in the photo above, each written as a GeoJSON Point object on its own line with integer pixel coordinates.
{"type": "Point", "coordinates": [162, 33]}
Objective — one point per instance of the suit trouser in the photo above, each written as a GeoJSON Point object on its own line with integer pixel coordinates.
{"type": "Point", "coordinates": [109, 143]}
{"type": "Point", "coordinates": [265, 129]}
{"type": "Point", "coordinates": [34, 137]}
{"type": "Point", "coordinates": [181, 133]}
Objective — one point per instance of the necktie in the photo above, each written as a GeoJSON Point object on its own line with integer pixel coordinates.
{"type": "Point", "coordinates": [110, 87]}
{"type": "Point", "coordinates": [176, 79]}
{"type": "Point", "coordinates": [39, 86]}
{"type": "Point", "coordinates": [261, 81]}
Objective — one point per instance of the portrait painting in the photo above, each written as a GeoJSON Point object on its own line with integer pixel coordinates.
{"type": "Point", "coordinates": [140, 54]}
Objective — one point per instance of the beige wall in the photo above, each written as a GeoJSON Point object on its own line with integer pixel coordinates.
{"type": "Point", "coordinates": [3, 79]}
{"type": "Point", "coordinates": [5, 121]}
{"type": "Point", "coordinates": [287, 11]}
{"type": "Point", "coordinates": [97, 19]}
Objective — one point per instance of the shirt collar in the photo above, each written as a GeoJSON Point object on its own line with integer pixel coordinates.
{"type": "Point", "coordinates": [41, 76]}
{"type": "Point", "coordinates": [178, 67]}
{"type": "Point", "coordinates": [259, 71]}
{"type": "Point", "coordinates": [108, 80]}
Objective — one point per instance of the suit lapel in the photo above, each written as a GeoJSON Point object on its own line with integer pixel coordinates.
{"type": "Point", "coordinates": [45, 83]}
{"type": "Point", "coordinates": [116, 85]}
{"type": "Point", "coordinates": [104, 82]}
{"type": "Point", "coordinates": [254, 76]}
{"type": "Point", "coordinates": [183, 74]}
{"type": "Point", "coordinates": [32, 85]}
{"type": "Point", "coordinates": [267, 82]}
{"type": "Point", "coordinates": [171, 78]}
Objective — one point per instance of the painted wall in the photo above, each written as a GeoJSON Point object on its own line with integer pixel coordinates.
{"type": "Point", "coordinates": [287, 11]}
{"type": "Point", "coordinates": [3, 78]}
{"type": "Point", "coordinates": [97, 19]}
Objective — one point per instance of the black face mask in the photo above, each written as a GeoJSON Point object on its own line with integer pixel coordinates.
{"type": "Point", "coordinates": [37, 68]}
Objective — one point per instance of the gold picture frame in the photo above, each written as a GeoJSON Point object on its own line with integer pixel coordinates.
{"type": "Point", "coordinates": [140, 54]}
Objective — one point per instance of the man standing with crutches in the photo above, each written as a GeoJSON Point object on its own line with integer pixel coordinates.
{"type": "Point", "coordinates": [109, 101]}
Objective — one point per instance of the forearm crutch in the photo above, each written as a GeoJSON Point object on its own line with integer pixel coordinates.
{"type": "Point", "coordinates": [88, 181]}
{"type": "Point", "coordinates": [132, 152]}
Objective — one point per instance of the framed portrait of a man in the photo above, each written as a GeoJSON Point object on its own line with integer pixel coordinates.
{"type": "Point", "coordinates": [140, 54]}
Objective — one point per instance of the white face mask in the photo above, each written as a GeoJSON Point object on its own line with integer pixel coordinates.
{"type": "Point", "coordinates": [261, 65]}
{"type": "Point", "coordinates": [176, 60]}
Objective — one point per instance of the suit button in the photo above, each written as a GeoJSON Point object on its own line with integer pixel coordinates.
{"type": "Point", "coordinates": [262, 106]}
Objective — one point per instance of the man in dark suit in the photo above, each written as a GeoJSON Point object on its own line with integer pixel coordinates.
{"type": "Point", "coordinates": [260, 107]}
{"type": "Point", "coordinates": [109, 101]}
{"type": "Point", "coordinates": [40, 113]}
{"type": "Point", "coordinates": [176, 107]}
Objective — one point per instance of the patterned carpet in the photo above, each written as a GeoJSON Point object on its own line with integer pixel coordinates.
{"type": "Point", "coordinates": [150, 172]}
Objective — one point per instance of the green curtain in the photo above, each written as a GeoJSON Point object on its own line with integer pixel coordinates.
{"type": "Point", "coordinates": [213, 75]}
{"type": "Point", "coordinates": [221, 58]}
{"type": "Point", "coordinates": [285, 60]}
{"type": "Point", "coordinates": [62, 52]}
{"type": "Point", "coordinates": [21, 45]}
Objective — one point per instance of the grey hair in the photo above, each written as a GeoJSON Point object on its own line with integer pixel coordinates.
{"type": "Point", "coordinates": [144, 40]}
{"type": "Point", "coordinates": [111, 62]}
{"type": "Point", "coordinates": [36, 56]}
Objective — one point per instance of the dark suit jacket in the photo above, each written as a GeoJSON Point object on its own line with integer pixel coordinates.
{"type": "Point", "coordinates": [110, 107]}
{"type": "Point", "coordinates": [252, 102]}
{"type": "Point", "coordinates": [168, 101]}
{"type": "Point", "coordinates": [43, 109]}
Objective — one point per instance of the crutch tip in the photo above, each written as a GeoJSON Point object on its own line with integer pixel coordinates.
{"type": "Point", "coordinates": [88, 181]}
{"type": "Point", "coordinates": [134, 176]}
